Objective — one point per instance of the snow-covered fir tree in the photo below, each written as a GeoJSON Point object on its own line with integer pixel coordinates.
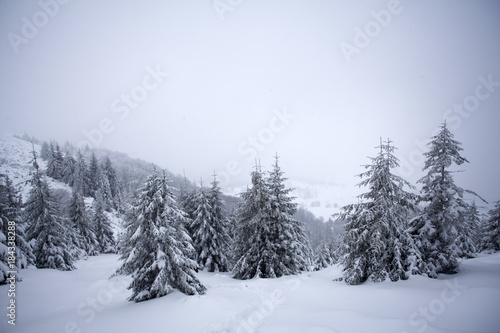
{"type": "Point", "coordinates": [437, 229]}
{"type": "Point", "coordinates": [469, 231]}
{"type": "Point", "coordinates": [491, 230]}
{"type": "Point", "coordinates": [95, 178]}
{"type": "Point", "coordinates": [109, 173]}
{"type": "Point", "coordinates": [210, 230]}
{"type": "Point", "coordinates": [81, 223]}
{"type": "Point", "coordinates": [269, 242]}
{"type": "Point", "coordinates": [13, 241]}
{"type": "Point", "coordinates": [156, 250]}
{"type": "Point", "coordinates": [376, 245]}
{"type": "Point", "coordinates": [323, 256]}
{"type": "Point", "coordinates": [292, 245]}
{"type": "Point", "coordinates": [45, 151]}
{"type": "Point", "coordinates": [68, 173]}
{"type": "Point", "coordinates": [46, 232]}
{"type": "Point", "coordinates": [82, 180]}
{"type": "Point", "coordinates": [54, 163]}
{"type": "Point", "coordinates": [102, 226]}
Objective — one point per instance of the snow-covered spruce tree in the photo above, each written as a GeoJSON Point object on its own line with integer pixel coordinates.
{"type": "Point", "coordinates": [54, 163]}
{"type": "Point", "coordinates": [45, 151]}
{"type": "Point", "coordinates": [94, 175]}
{"type": "Point", "coordinates": [376, 245]}
{"type": "Point", "coordinates": [209, 230]}
{"type": "Point", "coordinates": [102, 226]}
{"type": "Point", "coordinates": [323, 256]}
{"type": "Point", "coordinates": [156, 248]}
{"type": "Point", "coordinates": [221, 225]}
{"type": "Point", "coordinates": [291, 244]}
{"type": "Point", "coordinates": [109, 173]}
{"type": "Point", "coordinates": [46, 232]}
{"type": "Point", "coordinates": [81, 223]}
{"type": "Point", "coordinates": [491, 230]}
{"type": "Point", "coordinates": [269, 241]}
{"type": "Point", "coordinates": [82, 180]}
{"type": "Point", "coordinates": [252, 245]}
{"type": "Point", "coordinates": [436, 230]}
{"type": "Point", "coordinates": [13, 242]}
{"type": "Point", "coordinates": [469, 231]}
{"type": "Point", "coordinates": [68, 172]}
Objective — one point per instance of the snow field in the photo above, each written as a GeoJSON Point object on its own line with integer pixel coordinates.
{"type": "Point", "coordinates": [87, 300]}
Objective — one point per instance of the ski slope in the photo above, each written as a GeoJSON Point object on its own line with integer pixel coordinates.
{"type": "Point", "coordinates": [87, 300]}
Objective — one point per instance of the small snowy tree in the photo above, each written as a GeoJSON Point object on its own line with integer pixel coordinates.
{"type": "Point", "coordinates": [491, 230]}
{"type": "Point", "coordinates": [376, 245]}
{"type": "Point", "coordinates": [102, 227]}
{"type": "Point", "coordinates": [82, 180]}
{"type": "Point", "coordinates": [68, 173]}
{"type": "Point", "coordinates": [109, 173]}
{"type": "Point", "coordinates": [54, 163]}
{"type": "Point", "coordinates": [469, 231]}
{"type": "Point", "coordinates": [81, 223]}
{"type": "Point", "coordinates": [156, 249]}
{"type": "Point", "coordinates": [48, 235]}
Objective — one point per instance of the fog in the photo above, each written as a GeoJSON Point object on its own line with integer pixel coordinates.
{"type": "Point", "coordinates": [198, 86]}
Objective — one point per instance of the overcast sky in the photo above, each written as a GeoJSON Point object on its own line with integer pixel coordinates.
{"type": "Point", "coordinates": [209, 85]}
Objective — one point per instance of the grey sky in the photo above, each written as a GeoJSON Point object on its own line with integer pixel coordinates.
{"type": "Point", "coordinates": [245, 77]}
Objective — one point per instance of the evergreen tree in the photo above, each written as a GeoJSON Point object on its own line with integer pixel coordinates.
{"type": "Point", "coordinates": [376, 245]}
{"type": "Point", "coordinates": [82, 180]}
{"type": "Point", "coordinates": [210, 230]}
{"type": "Point", "coordinates": [49, 236]}
{"type": "Point", "coordinates": [12, 245]}
{"type": "Point", "coordinates": [94, 175]}
{"type": "Point", "coordinates": [68, 174]}
{"type": "Point", "coordinates": [156, 249]}
{"type": "Point", "coordinates": [54, 163]}
{"type": "Point", "coordinates": [45, 151]}
{"type": "Point", "coordinates": [102, 226]}
{"type": "Point", "coordinates": [269, 241]}
{"type": "Point", "coordinates": [81, 223]}
{"type": "Point", "coordinates": [491, 230]}
{"type": "Point", "coordinates": [437, 229]}
{"type": "Point", "coordinates": [469, 231]}
{"type": "Point", "coordinates": [109, 174]}
{"type": "Point", "coordinates": [291, 244]}
{"type": "Point", "coordinates": [323, 257]}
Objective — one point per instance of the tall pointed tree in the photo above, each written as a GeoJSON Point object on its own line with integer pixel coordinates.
{"type": "Point", "coordinates": [437, 229]}
{"type": "Point", "coordinates": [157, 248]}
{"type": "Point", "coordinates": [82, 180]}
{"type": "Point", "coordinates": [491, 230]}
{"type": "Point", "coordinates": [47, 232]}
{"type": "Point", "coordinates": [81, 223]}
{"type": "Point", "coordinates": [291, 244]}
{"type": "Point", "coordinates": [102, 227]}
{"type": "Point", "coordinates": [210, 230]}
{"type": "Point", "coordinates": [68, 172]}
{"type": "Point", "coordinates": [376, 245]}
{"type": "Point", "coordinates": [269, 241]}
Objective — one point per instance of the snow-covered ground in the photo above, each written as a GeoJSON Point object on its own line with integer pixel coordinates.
{"type": "Point", "coordinates": [86, 300]}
